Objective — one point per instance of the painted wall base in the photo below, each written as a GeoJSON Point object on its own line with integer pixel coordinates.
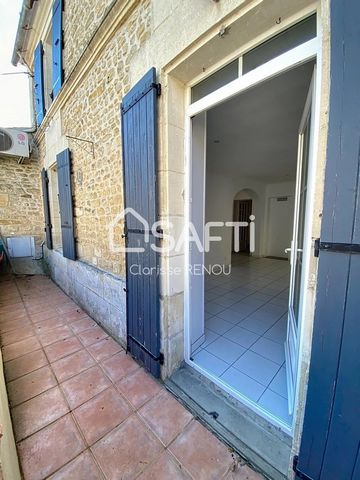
{"type": "Point", "coordinates": [98, 293]}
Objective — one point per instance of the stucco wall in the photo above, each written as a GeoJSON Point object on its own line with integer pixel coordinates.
{"type": "Point", "coordinates": [21, 211]}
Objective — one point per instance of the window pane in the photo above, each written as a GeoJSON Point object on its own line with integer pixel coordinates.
{"type": "Point", "coordinates": [290, 38]}
{"type": "Point", "coordinates": [218, 79]}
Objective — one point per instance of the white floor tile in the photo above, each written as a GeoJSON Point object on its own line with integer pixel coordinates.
{"type": "Point", "coordinates": [279, 384]}
{"type": "Point", "coordinates": [277, 332]}
{"type": "Point", "coordinates": [210, 363]}
{"type": "Point", "coordinates": [269, 349]}
{"type": "Point", "coordinates": [243, 384]}
{"type": "Point", "coordinates": [209, 337]}
{"type": "Point", "coordinates": [257, 367]}
{"type": "Point", "coordinates": [213, 308]}
{"type": "Point", "coordinates": [232, 316]}
{"type": "Point", "coordinates": [243, 337]}
{"type": "Point", "coordinates": [225, 302]}
{"type": "Point", "coordinates": [218, 325]}
{"type": "Point", "coordinates": [276, 405]}
{"type": "Point", "coordinates": [243, 308]}
{"type": "Point", "coordinates": [254, 325]}
{"type": "Point", "coordinates": [226, 350]}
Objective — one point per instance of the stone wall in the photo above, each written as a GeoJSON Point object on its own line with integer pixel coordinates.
{"type": "Point", "coordinates": [21, 210]}
{"type": "Point", "coordinates": [93, 113]}
{"type": "Point", "coordinates": [81, 20]}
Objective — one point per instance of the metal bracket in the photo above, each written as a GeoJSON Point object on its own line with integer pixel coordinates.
{"type": "Point", "coordinates": [298, 472]}
{"type": "Point", "coordinates": [335, 247]}
{"type": "Point", "coordinates": [78, 140]}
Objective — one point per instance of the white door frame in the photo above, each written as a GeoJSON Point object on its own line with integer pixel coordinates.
{"type": "Point", "coordinates": [297, 56]}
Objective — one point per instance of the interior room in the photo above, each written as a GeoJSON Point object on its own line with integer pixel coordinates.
{"type": "Point", "coordinates": [251, 169]}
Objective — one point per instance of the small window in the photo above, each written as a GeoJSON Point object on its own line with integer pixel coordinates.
{"type": "Point", "coordinates": [55, 208]}
{"type": "Point", "coordinates": [218, 79]}
{"type": "Point", "coordinates": [281, 43]}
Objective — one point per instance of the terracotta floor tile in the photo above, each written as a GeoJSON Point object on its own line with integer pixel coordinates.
{"type": "Point", "coordinates": [30, 385]}
{"type": "Point", "coordinates": [62, 348]}
{"type": "Point", "coordinates": [119, 366]}
{"type": "Point", "coordinates": [82, 387]}
{"type": "Point", "coordinates": [82, 325]}
{"type": "Point", "coordinates": [22, 365]}
{"type": "Point", "coordinates": [72, 365]}
{"type": "Point", "coordinates": [104, 349]}
{"type": "Point", "coordinates": [164, 468]}
{"type": "Point", "coordinates": [101, 414]}
{"type": "Point", "coordinates": [139, 387]}
{"type": "Point", "coordinates": [67, 307]}
{"type": "Point", "coordinates": [126, 450]}
{"type": "Point", "coordinates": [44, 315]}
{"type": "Point", "coordinates": [165, 416]}
{"type": "Point", "coordinates": [92, 336]}
{"type": "Point", "coordinates": [13, 336]}
{"type": "Point", "coordinates": [36, 306]}
{"type": "Point", "coordinates": [13, 325]}
{"type": "Point", "coordinates": [49, 449]}
{"type": "Point", "coordinates": [74, 315]}
{"type": "Point", "coordinates": [31, 416]}
{"type": "Point", "coordinates": [47, 325]}
{"type": "Point", "coordinates": [18, 349]}
{"type": "Point", "coordinates": [59, 333]}
{"type": "Point", "coordinates": [243, 472]}
{"type": "Point", "coordinates": [13, 315]}
{"type": "Point", "coordinates": [201, 453]}
{"type": "Point", "coordinates": [82, 467]}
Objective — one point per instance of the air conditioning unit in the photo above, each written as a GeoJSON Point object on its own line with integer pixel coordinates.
{"type": "Point", "coordinates": [14, 142]}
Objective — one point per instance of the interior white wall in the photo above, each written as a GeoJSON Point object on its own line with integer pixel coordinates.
{"type": "Point", "coordinates": [221, 190]}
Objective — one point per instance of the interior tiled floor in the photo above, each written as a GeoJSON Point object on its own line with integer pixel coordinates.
{"type": "Point", "coordinates": [245, 330]}
{"type": "Point", "coordinates": [84, 410]}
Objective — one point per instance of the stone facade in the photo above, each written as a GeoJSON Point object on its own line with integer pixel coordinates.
{"type": "Point", "coordinates": [21, 210]}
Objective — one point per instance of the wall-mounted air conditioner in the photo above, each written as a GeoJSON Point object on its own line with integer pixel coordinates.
{"type": "Point", "coordinates": [14, 142]}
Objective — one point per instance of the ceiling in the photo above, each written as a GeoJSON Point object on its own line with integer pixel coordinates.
{"type": "Point", "coordinates": [255, 134]}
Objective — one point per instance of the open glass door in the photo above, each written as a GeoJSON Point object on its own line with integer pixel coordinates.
{"type": "Point", "coordinates": [296, 249]}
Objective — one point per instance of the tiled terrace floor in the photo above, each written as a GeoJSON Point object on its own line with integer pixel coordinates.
{"type": "Point", "coordinates": [83, 410]}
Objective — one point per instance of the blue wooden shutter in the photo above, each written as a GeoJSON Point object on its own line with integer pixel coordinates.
{"type": "Point", "coordinates": [330, 446]}
{"type": "Point", "coordinates": [139, 122]}
{"type": "Point", "coordinates": [47, 218]}
{"type": "Point", "coordinates": [39, 83]}
{"type": "Point", "coordinates": [57, 46]}
{"type": "Point", "coordinates": [63, 161]}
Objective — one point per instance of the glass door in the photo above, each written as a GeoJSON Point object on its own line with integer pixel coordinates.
{"type": "Point", "coordinates": [296, 249]}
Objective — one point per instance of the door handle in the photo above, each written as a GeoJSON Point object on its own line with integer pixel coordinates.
{"type": "Point", "coordinates": [287, 250]}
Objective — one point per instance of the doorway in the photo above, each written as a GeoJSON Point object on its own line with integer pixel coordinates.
{"type": "Point", "coordinates": [242, 212]}
{"type": "Point", "coordinates": [243, 326]}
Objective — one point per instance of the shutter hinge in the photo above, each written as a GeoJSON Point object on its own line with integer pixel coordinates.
{"type": "Point", "coordinates": [157, 87]}
{"type": "Point", "coordinates": [298, 472]}
{"type": "Point", "coordinates": [335, 247]}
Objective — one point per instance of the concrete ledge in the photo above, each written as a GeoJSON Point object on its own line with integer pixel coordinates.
{"type": "Point", "coordinates": [97, 292]}
{"type": "Point", "coordinates": [9, 462]}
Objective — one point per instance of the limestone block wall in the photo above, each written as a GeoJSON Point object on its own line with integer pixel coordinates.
{"type": "Point", "coordinates": [81, 20]}
{"type": "Point", "coordinates": [21, 210]}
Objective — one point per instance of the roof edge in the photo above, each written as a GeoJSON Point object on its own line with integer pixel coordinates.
{"type": "Point", "coordinates": [23, 25]}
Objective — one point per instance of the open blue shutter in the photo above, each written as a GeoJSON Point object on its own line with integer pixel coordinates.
{"type": "Point", "coordinates": [47, 218]}
{"type": "Point", "coordinates": [63, 162]}
{"type": "Point", "coordinates": [139, 125]}
{"type": "Point", "coordinates": [39, 84]}
{"type": "Point", "coordinates": [57, 46]}
{"type": "Point", "coordinates": [331, 433]}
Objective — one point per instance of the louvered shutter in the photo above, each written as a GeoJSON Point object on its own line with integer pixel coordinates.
{"type": "Point", "coordinates": [63, 161]}
{"type": "Point", "coordinates": [45, 192]}
{"type": "Point", "coordinates": [57, 47]}
{"type": "Point", "coordinates": [39, 84]}
{"type": "Point", "coordinates": [139, 125]}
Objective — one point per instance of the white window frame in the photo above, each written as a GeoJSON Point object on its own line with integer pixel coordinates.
{"type": "Point", "coordinates": [310, 50]}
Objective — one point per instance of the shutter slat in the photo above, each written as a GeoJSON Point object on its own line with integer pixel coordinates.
{"type": "Point", "coordinates": [63, 161]}
{"type": "Point", "coordinates": [47, 218]}
{"type": "Point", "coordinates": [139, 118]}
{"type": "Point", "coordinates": [57, 47]}
{"type": "Point", "coordinates": [39, 83]}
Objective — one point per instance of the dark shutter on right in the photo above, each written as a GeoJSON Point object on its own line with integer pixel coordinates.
{"type": "Point", "coordinates": [63, 161]}
{"type": "Point", "coordinates": [45, 192]}
{"type": "Point", "coordinates": [39, 84]}
{"type": "Point", "coordinates": [139, 122]}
